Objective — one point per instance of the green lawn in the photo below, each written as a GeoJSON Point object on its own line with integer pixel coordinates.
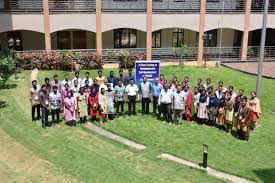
{"type": "Point", "coordinates": [90, 158]}
{"type": "Point", "coordinates": [77, 153]}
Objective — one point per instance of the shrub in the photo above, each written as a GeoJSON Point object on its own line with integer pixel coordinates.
{"type": "Point", "coordinates": [62, 60]}
{"type": "Point", "coordinates": [7, 67]}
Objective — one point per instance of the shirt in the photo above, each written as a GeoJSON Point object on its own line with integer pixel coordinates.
{"type": "Point", "coordinates": [119, 93]}
{"type": "Point", "coordinates": [131, 90]}
{"type": "Point", "coordinates": [166, 97]}
{"type": "Point", "coordinates": [44, 99]}
{"type": "Point", "coordinates": [128, 79]}
{"type": "Point", "coordinates": [75, 89]}
{"type": "Point", "coordinates": [178, 100]}
{"type": "Point", "coordinates": [78, 79]}
{"type": "Point", "coordinates": [57, 84]}
{"type": "Point", "coordinates": [84, 80]}
{"type": "Point", "coordinates": [64, 82]}
{"type": "Point", "coordinates": [34, 95]}
{"type": "Point", "coordinates": [103, 86]}
{"type": "Point", "coordinates": [145, 89]}
{"type": "Point", "coordinates": [100, 80]}
{"type": "Point", "coordinates": [156, 89]}
{"type": "Point", "coordinates": [55, 99]}
{"type": "Point", "coordinates": [112, 80]}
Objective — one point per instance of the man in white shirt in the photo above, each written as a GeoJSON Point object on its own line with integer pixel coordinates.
{"type": "Point", "coordinates": [55, 103]}
{"type": "Point", "coordinates": [145, 91]}
{"type": "Point", "coordinates": [131, 93]}
{"type": "Point", "coordinates": [79, 80]}
{"type": "Point", "coordinates": [87, 77]}
{"type": "Point", "coordinates": [66, 80]}
{"type": "Point", "coordinates": [178, 105]}
{"type": "Point", "coordinates": [165, 102]}
{"type": "Point", "coordinates": [104, 85]}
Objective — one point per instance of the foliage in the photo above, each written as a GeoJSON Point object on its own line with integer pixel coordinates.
{"type": "Point", "coordinates": [126, 58]}
{"type": "Point", "coordinates": [182, 51]}
{"type": "Point", "coordinates": [63, 60]}
{"type": "Point", "coordinates": [7, 67]}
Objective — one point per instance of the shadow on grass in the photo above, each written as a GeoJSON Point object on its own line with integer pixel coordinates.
{"type": "Point", "coordinates": [266, 175]}
{"type": "Point", "coordinates": [8, 86]}
{"type": "Point", "coordinates": [3, 104]}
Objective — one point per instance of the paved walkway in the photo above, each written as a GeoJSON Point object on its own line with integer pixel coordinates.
{"type": "Point", "coordinates": [209, 171]}
{"type": "Point", "coordinates": [252, 68]}
{"type": "Point", "coordinates": [112, 136]}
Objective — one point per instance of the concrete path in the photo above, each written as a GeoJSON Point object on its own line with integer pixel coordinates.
{"type": "Point", "coordinates": [252, 68]}
{"type": "Point", "coordinates": [209, 171]}
{"type": "Point", "coordinates": [105, 133]}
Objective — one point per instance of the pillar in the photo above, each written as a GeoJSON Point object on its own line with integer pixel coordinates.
{"type": "Point", "coordinates": [149, 30]}
{"type": "Point", "coordinates": [98, 28]}
{"type": "Point", "coordinates": [246, 30]}
{"type": "Point", "coordinates": [47, 32]}
{"type": "Point", "coordinates": [201, 32]}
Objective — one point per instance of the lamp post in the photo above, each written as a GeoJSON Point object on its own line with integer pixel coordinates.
{"type": "Point", "coordinates": [206, 37]}
{"type": "Point", "coordinates": [205, 156]}
{"type": "Point", "coordinates": [12, 48]}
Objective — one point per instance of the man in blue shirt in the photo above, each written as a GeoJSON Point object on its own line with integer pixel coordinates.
{"type": "Point", "coordinates": [112, 79]}
{"type": "Point", "coordinates": [129, 77]}
{"type": "Point", "coordinates": [156, 89]}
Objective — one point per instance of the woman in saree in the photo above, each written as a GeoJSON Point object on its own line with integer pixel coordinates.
{"type": "Point", "coordinates": [82, 103]}
{"type": "Point", "coordinates": [254, 104]}
{"type": "Point", "coordinates": [64, 94]}
{"type": "Point", "coordinates": [111, 107]}
{"type": "Point", "coordinates": [244, 114]}
{"type": "Point", "coordinates": [103, 105]}
{"type": "Point", "coordinates": [69, 109]}
{"type": "Point", "coordinates": [93, 103]}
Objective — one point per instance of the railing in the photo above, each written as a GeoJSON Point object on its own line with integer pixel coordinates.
{"type": "Point", "coordinates": [226, 6]}
{"type": "Point", "coordinates": [21, 6]}
{"type": "Point", "coordinates": [106, 53]}
{"type": "Point", "coordinates": [253, 53]}
{"type": "Point", "coordinates": [222, 53]}
{"type": "Point", "coordinates": [72, 6]}
{"type": "Point", "coordinates": [170, 53]}
{"type": "Point", "coordinates": [258, 6]}
{"type": "Point", "coordinates": [188, 6]}
{"type": "Point", "coordinates": [124, 5]}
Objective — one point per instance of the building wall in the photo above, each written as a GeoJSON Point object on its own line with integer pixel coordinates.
{"type": "Point", "coordinates": [227, 37]}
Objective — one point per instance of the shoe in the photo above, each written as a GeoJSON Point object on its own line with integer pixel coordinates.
{"type": "Point", "coordinates": [44, 126]}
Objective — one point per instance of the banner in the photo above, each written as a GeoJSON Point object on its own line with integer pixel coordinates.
{"type": "Point", "coordinates": [150, 69]}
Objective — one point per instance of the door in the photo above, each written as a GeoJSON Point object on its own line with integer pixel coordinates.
{"type": "Point", "coordinates": [79, 40]}
{"type": "Point", "coordinates": [16, 35]}
{"type": "Point", "coordinates": [63, 40]}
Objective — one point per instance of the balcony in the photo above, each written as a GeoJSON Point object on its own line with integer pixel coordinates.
{"type": "Point", "coordinates": [27, 6]}
{"type": "Point", "coordinates": [184, 6]}
{"type": "Point", "coordinates": [56, 6]}
{"type": "Point", "coordinates": [124, 5]}
{"type": "Point", "coordinates": [225, 6]}
{"type": "Point", "coordinates": [258, 6]}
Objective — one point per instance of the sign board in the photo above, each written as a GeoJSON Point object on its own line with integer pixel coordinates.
{"type": "Point", "coordinates": [150, 69]}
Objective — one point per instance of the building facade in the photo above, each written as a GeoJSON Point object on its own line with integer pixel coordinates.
{"type": "Point", "coordinates": [153, 27]}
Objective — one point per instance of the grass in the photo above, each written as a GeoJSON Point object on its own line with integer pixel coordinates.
{"type": "Point", "coordinates": [74, 153]}
{"type": "Point", "coordinates": [254, 160]}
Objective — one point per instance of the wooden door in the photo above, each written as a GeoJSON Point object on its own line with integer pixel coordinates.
{"type": "Point", "coordinates": [63, 40]}
{"type": "Point", "coordinates": [79, 40]}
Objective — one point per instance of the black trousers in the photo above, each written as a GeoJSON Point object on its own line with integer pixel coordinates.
{"type": "Point", "coordinates": [55, 113]}
{"type": "Point", "coordinates": [166, 111]}
{"type": "Point", "coordinates": [37, 107]}
{"type": "Point", "coordinates": [155, 104]}
{"type": "Point", "coordinates": [132, 105]}
{"type": "Point", "coordinates": [145, 105]}
{"type": "Point", "coordinates": [44, 118]}
{"type": "Point", "coordinates": [121, 105]}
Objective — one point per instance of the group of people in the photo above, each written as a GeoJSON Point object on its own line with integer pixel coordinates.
{"type": "Point", "coordinates": [104, 98]}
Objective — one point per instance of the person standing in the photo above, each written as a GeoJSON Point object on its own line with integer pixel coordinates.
{"type": "Point", "coordinates": [79, 80]}
{"type": "Point", "coordinates": [196, 102]}
{"type": "Point", "coordinates": [208, 84]}
{"type": "Point", "coordinates": [145, 91]}
{"type": "Point", "coordinates": [229, 111]}
{"type": "Point", "coordinates": [82, 104]}
{"type": "Point", "coordinates": [56, 83]}
{"type": "Point", "coordinates": [48, 85]}
{"type": "Point", "coordinates": [34, 99]}
{"type": "Point", "coordinates": [95, 86]}
{"type": "Point", "coordinates": [87, 77]}
{"type": "Point", "coordinates": [187, 94]}
{"type": "Point", "coordinates": [64, 94]}
{"type": "Point", "coordinates": [237, 104]}
{"type": "Point", "coordinates": [66, 80]}
{"type": "Point", "coordinates": [156, 89]}
{"type": "Point", "coordinates": [75, 88]}
{"type": "Point", "coordinates": [161, 79]}
{"type": "Point", "coordinates": [45, 105]}
{"type": "Point", "coordinates": [93, 102]}
{"type": "Point", "coordinates": [100, 78]}
{"type": "Point", "coordinates": [119, 97]}
{"type": "Point", "coordinates": [213, 107]}
{"type": "Point", "coordinates": [111, 106]}
{"type": "Point", "coordinates": [203, 107]}
{"type": "Point", "coordinates": [70, 109]}
{"type": "Point", "coordinates": [121, 77]}
{"type": "Point", "coordinates": [103, 85]}
{"type": "Point", "coordinates": [129, 77]}
{"type": "Point", "coordinates": [254, 104]}
{"type": "Point", "coordinates": [55, 101]}
{"type": "Point", "coordinates": [131, 93]}
{"type": "Point", "coordinates": [165, 101]}
{"type": "Point", "coordinates": [112, 79]}
{"type": "Point", "coordinates": [178, 105]}
{"type": "Point", "coordinates": [221, 111]}
{"type": "Point", "coordinates": [244, 114]}
{"type": "Point", "coordinates": [103, 105]}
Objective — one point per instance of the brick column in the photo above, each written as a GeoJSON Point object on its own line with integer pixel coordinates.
{"type": "Point", "coordinates": [201, 32]}
{"type": "Point", "coordinates": [149, 30]}
{"type": "Point", "coordinates": [98, 28]}
{"type": "Point", "coordinates": [246, 30]}
{"type": "Point", "coordinates": [47, 32]}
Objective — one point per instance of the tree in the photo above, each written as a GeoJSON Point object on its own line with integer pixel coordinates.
{"type": "Point", "coordinates": [7, 67]}
{"type": "Point", "coordinates": [181, 51]}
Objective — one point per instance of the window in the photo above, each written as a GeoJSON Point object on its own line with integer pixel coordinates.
{"type": "Point", "coordinates": [177, 37]}
{"type": "Point", "coordinates": [156, 39]}
{"type": "Point", "coordinates": [125, 38]}
{"type": "Point", "coordinates": [213, 41]}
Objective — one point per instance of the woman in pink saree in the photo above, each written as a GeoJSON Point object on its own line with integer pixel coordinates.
{"type": "Point", "coordinates": [64, 94]}
{"type": "Point", "coordinates": [69, 109]}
